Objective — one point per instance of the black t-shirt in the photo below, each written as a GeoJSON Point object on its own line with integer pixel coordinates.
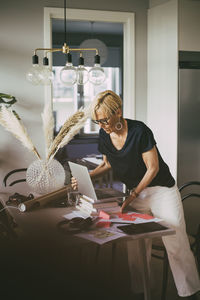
{"type": "Point", "coordinates": [127, 163]}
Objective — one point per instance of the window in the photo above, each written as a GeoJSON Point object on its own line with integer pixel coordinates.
{"type": "Point", "coordinates": [66, 100]}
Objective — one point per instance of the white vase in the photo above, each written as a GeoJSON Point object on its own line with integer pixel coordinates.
{"type": "Point", "coordinates": [44, 176]}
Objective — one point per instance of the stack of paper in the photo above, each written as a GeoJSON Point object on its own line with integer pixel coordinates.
{"type": "Point", "coordinates": [93, 207]}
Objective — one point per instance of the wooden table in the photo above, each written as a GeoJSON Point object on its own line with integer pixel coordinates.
{"type": "Point", "coordinates": [39, 227]}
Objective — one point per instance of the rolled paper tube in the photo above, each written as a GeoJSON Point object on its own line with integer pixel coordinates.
{"type": "Point", "coordinates": [44, 199]}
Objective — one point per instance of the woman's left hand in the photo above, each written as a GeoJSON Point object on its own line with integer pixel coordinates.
{"type": "Point", "coordinates": [128, 200]}
{"type": "Point", "coordinates": [74, 183]}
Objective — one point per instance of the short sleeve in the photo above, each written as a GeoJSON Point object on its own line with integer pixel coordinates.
{"type": "Point", "coordinates": [101, 144]}
{"type": "Point", "coordinates": [147, 141]}
{"type": "Point", "coordinates": [100, 147]}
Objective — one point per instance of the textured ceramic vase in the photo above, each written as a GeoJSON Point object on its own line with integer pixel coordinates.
{"type": "Point", "coordinates": [45, 177]}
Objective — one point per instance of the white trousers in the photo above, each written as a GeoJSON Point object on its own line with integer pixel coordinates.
{"type": "Point", "coordinates": [165, 203]}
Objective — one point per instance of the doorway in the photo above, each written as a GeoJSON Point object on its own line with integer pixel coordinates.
{"type": "Point", "coordinates": [108, 39]}
{"type": "Point", "coordinates": [88, 145]}
{"type": "Point", "coordinates": [127, 21]}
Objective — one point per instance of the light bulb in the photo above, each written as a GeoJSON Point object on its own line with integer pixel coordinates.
{"type": "Point", "coordinates": [97, 75]}
{"type": "Point", "coordinates": [68, 74]}
{"type": "Point", "coordinates": [82, 75]}
{"type": "Point", "coordinates": [46, 75]}
{"type": "Point", "coordinates": [82, 72]}
{"type": "Point", "coordinates": [46, 72]}
{"type": "Point", "coordinates": [34, 73]}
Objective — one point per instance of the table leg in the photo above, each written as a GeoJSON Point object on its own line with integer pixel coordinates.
{"type": "Point", "coordinates": [145, 270]}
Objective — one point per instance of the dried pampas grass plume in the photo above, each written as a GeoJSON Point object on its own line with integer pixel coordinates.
{"type": "Point", "coordinates": [48, 125]}
{"type": "Point", "coordinates": [12, 123]}
{"type": "Point", "coordinates": [69, 129]}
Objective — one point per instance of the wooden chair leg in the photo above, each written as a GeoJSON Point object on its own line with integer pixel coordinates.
{"type": "Point", "coordinates": [165, 276]}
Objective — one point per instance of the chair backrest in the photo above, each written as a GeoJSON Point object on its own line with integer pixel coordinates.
{"type": "Point", "coordinates": [191, 191]}
{"type": "Point", "coordinates": [190, 194]}
{"type": "Point", "coordinates": [198, 247]}
{"type": "Point", "coordinates": [189, 183]}
{"type": "Point", "coordinates": [15, 177]}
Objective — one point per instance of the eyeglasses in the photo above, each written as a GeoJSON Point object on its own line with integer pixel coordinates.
{"type": "Point", "coordinates": [102, 121]}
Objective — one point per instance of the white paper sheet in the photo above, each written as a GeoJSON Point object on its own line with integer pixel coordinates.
{"type": "Point", "coordinates": [76, 213]}
{"type": "Point", "coordinates": [101, 236]}
{"type": "Point", "coordinates": [137, 221]}
{"type": "Point", "coordinates": [93, 160]}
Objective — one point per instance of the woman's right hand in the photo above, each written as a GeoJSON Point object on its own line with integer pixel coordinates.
{"type": "Point", "coordinates": [128, 200]}
{"type": "Point", "coordinates": [74, 183]}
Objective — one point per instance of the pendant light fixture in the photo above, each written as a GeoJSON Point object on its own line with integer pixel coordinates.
{"type": "Point", "coordinates": [69, 75]}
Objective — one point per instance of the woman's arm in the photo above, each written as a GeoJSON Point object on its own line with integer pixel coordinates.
{"type": "Point", "coordinates": [150, 159]}
{"type": "Point", "coordinates": [101, 169]}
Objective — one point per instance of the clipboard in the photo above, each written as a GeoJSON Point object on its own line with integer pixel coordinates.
{"type": "Point", "coordinates": [141, 228]}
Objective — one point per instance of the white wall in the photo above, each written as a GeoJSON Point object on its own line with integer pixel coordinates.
{"type": "Point", "coordinates": [156, 2]}
{"type": "Point", "coordinates": [163, 80]}
{"type": "Point", "coordinates": [21, 24]}
{"type": "Point", "coordinates": [19, 34]}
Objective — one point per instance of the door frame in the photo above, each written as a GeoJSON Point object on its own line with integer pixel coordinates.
{"type": "Point", "coordinates": [128, 21]}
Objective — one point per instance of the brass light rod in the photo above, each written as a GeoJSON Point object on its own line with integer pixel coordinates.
{"type": "Point", "coordinates": [65, 49]}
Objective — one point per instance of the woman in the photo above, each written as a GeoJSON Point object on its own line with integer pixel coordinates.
{"type": "Point", "coordinates": [129, 148]}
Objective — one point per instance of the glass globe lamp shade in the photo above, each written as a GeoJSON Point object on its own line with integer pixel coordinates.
{"type": "Point", "coordinates": [82, 72]}
{"type": "Point", "coordinates": [34, 74]}
{"type": "Point", "coordinates": [97, 75]}
{"type": "Point", "coordinates": [46, 75]}
{"type": "Point", "coordinates": [82, 75]}
{"type": "Point", "coordinates": [68, 74]}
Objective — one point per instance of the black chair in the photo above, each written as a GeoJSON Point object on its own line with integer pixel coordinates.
{"type": "Point", "coordinates": [8, 175]}
{"type": "Point", "coordinates": [8, 226]}
{"type": "Point", "coordinates": [158, 249]}
{"type": "Point", "coordinates": [198, 248]}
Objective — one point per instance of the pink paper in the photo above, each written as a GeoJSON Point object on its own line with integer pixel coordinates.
{"type": "Point", "coordinates": [132, 216]}
{"type": "Point", "coordinates": [127, 217]}
{"type": "Point", "coordinates": [104, 215]}
{"type": "Point", "coordinates": [103, 224]}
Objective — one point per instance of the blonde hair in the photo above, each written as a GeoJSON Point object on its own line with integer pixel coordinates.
{"type": "Point", "coordinates": [108, 101]}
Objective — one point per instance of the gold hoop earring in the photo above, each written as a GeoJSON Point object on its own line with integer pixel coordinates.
{"type": "Point", "coordinates": [118, 125]}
